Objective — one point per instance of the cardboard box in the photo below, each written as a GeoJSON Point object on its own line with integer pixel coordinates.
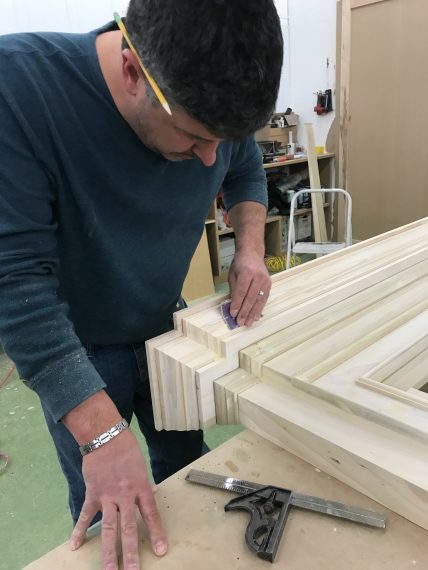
{"type": "Point", "coordinates": [291, 120]}
{"type": "Point", "coordinates": [278, 134]}
{"type": "Point", "coordinates": [303, 227]}
{"type": "Point", "coordinates": [284, 233]}
{"type": "Point", "coordinates": [263, 134]}
{"type": "Point", "coordinates": [227, 253]}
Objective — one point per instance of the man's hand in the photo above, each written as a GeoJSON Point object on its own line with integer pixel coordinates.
{"type": "Point", "coordinates": [249, 279]}
{"type": "Point", "coordinates": [116, 480]}
{"type": "Point", "coordinates": [250, 286]}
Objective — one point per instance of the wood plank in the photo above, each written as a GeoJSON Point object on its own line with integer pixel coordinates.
{"type": "Point", "coordinates": [365, 257]}
{"type": "Point", "coordinates": [205, 326]}
{"type": "Point", "coordinates": [326, 327]}
{"type": "Point", "coordinates": [343, 58]}
{"type": "Point", "coordinates": [205, 377]}
{"type": "Point", "coordinates": [178, 362]}
{"type": "Point", "coordinates": [226, 392]}
{"type": "Point", "coordinates": [254, 356]}
{"type": "Point", "coordinates": [170, 388]}
{"type": "Point", "coordinates": [153, 373]}
{"type": "Point", "coordinates": [384, 465]}
{"type": "Point", "coordinates": [412, 397]}
{"type": "Point", "coordinates": [326, 350]}
{"type": "Point", "coordinates": [198, 307]}
{"type": "Point", "coordinates": [318, 216]}
{"type": "Point", "coordinates": [211, 331]}
{"type": "Point", "coordinates": [405, 369]}
{"type": "Point", "coordinates": [341, 386]}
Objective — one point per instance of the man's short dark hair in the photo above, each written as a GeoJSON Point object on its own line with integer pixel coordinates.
{"type": "Point", "coordinates": [219, 60]}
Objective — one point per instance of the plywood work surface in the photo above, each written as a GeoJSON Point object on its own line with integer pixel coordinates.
{"type": "Point", "coordinates": [201, 534]}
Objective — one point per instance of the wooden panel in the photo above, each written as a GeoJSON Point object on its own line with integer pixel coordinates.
{"type": "Point", "coordinates": [388, 154]}
{"type": "Point", "coordinates": [335, 363]}
{"type": "Point", "coordinates": [318, 216]}
{"type": "Point", "coordinates": [385, 465]}
{"type": "Point", "coordinates": [184, 367]}
{"type": "Point", "coordinates": [202, 535]}
{"type": "Point", "coordinates": [343, 57]}
{"type": "Point", "coordinates": [359, 3]}
{"type": "Point", "coordinates": [199, 281]}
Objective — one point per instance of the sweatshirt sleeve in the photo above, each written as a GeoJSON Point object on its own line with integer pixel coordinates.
{"type": "Point", "coordinates": [246, 179]}
{"type": "Point", "coordinates": [34, 328]}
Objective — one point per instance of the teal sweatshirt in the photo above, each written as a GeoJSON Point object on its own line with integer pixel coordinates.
{"type": "Point", "coordinates": [96, 230]}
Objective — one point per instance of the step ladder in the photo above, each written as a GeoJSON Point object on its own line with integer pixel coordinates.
{"type": "Point", "coordinates": [316, 248]}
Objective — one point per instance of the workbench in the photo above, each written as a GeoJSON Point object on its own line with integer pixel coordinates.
{"type": "Point", "coordinates": [201, 534]}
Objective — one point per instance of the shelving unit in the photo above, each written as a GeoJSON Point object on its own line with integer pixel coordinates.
{"type": "Point", "coordinates": [273, 229]}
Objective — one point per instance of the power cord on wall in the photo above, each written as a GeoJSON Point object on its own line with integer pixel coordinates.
{"type": "Point", "coordinates": [276, 263]}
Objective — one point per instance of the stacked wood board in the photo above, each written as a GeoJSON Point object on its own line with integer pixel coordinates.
{"type": "Point", "coordinates": [336, 371]}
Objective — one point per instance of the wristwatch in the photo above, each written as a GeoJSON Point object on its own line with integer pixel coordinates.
{"type": "Point", "coordinates": [104, 437]}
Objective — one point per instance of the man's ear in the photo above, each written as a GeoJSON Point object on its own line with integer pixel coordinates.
{"type": "Point", "coordinates": [130, 72]}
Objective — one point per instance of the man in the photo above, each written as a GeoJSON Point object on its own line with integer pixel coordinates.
{"type": "Point", "coordinates": [103, 197]}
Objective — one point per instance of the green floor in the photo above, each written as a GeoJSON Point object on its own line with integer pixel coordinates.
{"type": "Point", "coordinates": [34, 515]}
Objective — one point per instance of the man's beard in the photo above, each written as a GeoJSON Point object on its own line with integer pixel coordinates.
{"type": "Point", "coordinates": [146, 135]}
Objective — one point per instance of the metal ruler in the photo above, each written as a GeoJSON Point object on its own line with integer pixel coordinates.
{"type": "Point", "coordinates": [269, 507]}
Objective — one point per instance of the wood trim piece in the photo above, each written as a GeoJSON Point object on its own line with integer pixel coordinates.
{"type": "Point", "coordinates": [344, 34]}
{"type": "Point", "coordinates": [318, 217]}
{"type": "Point", "coordinates": [360, 3]}
{"type": "Point", "coordinates": [326, 326]}
{"type": "Point", "coordinates": [184, 364]}
{"type": "Point", "coordinates": [384, 465]}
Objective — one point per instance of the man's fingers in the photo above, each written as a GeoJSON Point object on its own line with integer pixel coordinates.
{"type": "Point", "coordinates": [152, 520]}
{"type": "Point", "coordinates": [255, 299]}
{"type": "Point", "coordinates": [109, 536]}
{"type": "Point", "coordinates": [79, 532]}
{"type": "Point", "coordinates": [129, 535]}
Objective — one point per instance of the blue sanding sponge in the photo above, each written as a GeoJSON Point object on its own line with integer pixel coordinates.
{"type": "Point", "coordinates": [227, 317]}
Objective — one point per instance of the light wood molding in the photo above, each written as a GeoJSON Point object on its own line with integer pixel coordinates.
{"type": "Point", "coordinates": [360, 3]}
{"type": "Point", "coordinates": [344, 39]}
{"type": "Point", "coordinates": [338, 360]}
{"type": "Point", "coordinates": [318, 217]}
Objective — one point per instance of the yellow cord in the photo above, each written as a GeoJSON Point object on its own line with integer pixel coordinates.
{"type": "Point", "coordinates": [276, 263]}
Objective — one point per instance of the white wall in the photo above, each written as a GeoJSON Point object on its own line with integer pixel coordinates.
{"type": "Point", "coordinates": [309, 28]}
{"type": "Point", "coordinates": [284, 97]}
{"type": "Point", "coordinates": [57, 15]}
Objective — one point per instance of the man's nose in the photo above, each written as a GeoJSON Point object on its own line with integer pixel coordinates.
{"type": "Point", "coordinates": [206, 152]}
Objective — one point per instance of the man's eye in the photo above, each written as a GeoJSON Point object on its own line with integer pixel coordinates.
{"type": "Point", "coordinates": [183, 134]}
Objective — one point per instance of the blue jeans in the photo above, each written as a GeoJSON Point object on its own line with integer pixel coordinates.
{"type": "Point", "coordinates": [124, 370]}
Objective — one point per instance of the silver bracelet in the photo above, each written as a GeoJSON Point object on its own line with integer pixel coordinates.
{"type": "Point", "coordinates": [104, 437]}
